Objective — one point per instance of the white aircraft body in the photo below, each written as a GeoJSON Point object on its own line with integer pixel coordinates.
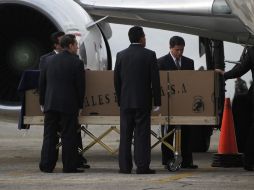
{"type": "Point", "coordinates": [227, 20]}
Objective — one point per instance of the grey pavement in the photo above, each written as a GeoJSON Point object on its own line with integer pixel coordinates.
{"type": "Point", "coordinates": [20, 154]}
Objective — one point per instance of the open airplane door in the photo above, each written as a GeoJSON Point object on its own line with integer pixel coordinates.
{"type": "Point", "coordinates": [214, 51]}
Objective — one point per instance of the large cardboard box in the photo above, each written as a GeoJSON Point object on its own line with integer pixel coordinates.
{"type": "Point", "coordinates": [100, 98]}
{"type": "Point", "coordinates": [32, 106]}
{"type": "Point", "coordinates": [192, 93]}
{"type": "Point", "coordinates": [184, 93]}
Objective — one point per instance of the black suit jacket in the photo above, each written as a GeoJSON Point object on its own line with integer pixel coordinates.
{"type": "Point", "coordinates": [136, 78]}
{"type": "Point", "coordinates": [62, 83]}
{"type": "Point", "coordinates": [167, 63]}
{"type": "Point", "coordinates": [44, 57]}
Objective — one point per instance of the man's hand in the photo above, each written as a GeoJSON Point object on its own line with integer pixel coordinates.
{"type": "Point", "coordinates": [219, 71]}
{"type": "Point", "coordinates": [42, 108]}
{"type": "Point", "coordinates": [157, 108]}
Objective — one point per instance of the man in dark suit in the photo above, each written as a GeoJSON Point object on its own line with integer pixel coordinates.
{"type": "Point", "coordinates": [137, 83]}
{"type": "Point", "coordinates": [61, 90]}
{"type": "Point", "coordinates": [55, 39]}
{"type": "Point", "coordinates": [175, 60]}
{"type": "Point", "coordinates": [247, 64]}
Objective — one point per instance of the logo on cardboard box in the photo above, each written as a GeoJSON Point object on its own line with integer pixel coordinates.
{"type": "Point", "coordinates": [198, 105]}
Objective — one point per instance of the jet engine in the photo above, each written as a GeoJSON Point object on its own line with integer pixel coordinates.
{"type": "Point", "coordinates": [26, 26]}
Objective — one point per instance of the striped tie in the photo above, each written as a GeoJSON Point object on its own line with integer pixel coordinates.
{"type": "Point", "coordinates": [178, 64]}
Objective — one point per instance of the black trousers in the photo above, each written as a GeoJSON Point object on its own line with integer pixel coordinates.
{"type": "Point", "coordinates": [135, 121]}
{"type": "Point", "coordinates": [249, 147]}
{"type": "Point", "coordinates": [249, 144]}
{"type": "Point", "coordinates": [186, 150]}
{"type": "Point", "coordinates": [68, 124]}
{"type": "Point", "coordinates": [241, 108]}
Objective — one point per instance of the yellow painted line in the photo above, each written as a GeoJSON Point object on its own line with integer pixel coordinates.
{"type": "Point", "coordinates": [173, 178]}
{"type": "Point", "coordinates": [182, 175]}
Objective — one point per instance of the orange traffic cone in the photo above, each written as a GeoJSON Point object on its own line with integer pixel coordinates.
{"type": "Point", "coordinates": [227, 142]}
{"type": "Point", "coordinates": [228, 155]}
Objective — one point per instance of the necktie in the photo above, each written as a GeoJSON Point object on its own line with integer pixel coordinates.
{"type": "Point", "coordinates": [178, 64]}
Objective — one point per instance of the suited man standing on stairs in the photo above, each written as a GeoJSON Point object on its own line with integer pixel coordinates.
{"type": "Point", "coordinates": [175, 60]}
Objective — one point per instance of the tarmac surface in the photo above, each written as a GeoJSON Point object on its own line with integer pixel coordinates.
{"type": "Point", "coordinates": [20, 155]}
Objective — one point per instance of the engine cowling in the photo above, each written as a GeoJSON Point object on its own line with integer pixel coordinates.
{"type": "Point", "coordinates": [25, 32]}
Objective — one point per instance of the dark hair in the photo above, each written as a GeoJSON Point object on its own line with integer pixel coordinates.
{"type": "Point", "coordinates": [54, 36]}
{"type": "Point", "coordinates": [176, 40]}
{"type": "Point", "coordinates": [67, 40]}
{"type": "Point", "coordinates": [135, 34]}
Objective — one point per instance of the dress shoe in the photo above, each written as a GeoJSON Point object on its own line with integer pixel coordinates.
{"type": "Point", "coordinates": [248, 167]}
{"type": "Point", "coordinates": [73, 171]}
{"type": "Point", "coordinates": [189, 166]}
{"type": "Point", "coordinates": [84, 166]}
{"type": "Point", "coordinates": [145, 171]}
{"type": "Point", "coordinates": [82, 159]}
{"type": "Point", "coordinates": [46, 171]}
{"type": "Point", "coordinates": [124, 171]}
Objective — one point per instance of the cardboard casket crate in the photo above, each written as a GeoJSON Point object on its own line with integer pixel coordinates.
{"type": "Point", "coordinates": [184, 93]}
